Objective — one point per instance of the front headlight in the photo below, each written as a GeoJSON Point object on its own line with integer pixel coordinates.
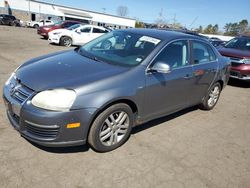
{"type": "Point", "coordinates": [246, 61]}
{"type": "Point", "coordinates": [46, 28]}
{"type": "Point", "coordinates": [13, 75]}
{"type": "Point", "coordinates": [55, 100]}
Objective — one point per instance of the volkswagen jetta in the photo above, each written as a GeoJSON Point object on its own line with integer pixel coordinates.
{"type": "Point", "coordinates": [98, 92]}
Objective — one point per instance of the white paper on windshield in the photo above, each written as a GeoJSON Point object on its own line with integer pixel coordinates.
{"type": "Point", "coordinates": [150, 39]}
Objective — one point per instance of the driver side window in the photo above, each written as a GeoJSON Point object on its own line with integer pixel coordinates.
{"type": "Point", "coordinates": [86, 30]}
{"type": "Point", "coordinates": [176, 54]}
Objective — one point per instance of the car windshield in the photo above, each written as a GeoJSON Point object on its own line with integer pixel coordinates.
{"type": "Point", "coordinates": [120, 48]}
{"type": "Point", "coordinates": [58, 23]}
{"type": "Point", "coordinates": [241, 43]}
{"type": "Point", "coordinates": [74, 26]}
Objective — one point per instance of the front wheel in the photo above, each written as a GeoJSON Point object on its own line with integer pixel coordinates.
{"type": "Point", "coordinates": [211, 98]}
{"type": "Point", "coordinates": [11, 23]}
{"type": "Point", "coordinates": [111, 128]}
{"type": "Point", "coordinates": [66, 41]}
{"type": "Point", "coordinates": [36, 26]}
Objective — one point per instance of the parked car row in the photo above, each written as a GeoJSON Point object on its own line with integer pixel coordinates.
{"type": "Point", "coordinates": [67, 33]}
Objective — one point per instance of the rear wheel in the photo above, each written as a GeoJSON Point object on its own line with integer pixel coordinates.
{"type": "Point", "coordinates": [36, 26]}
{"type": "Point", "coordinates": [211, 98]}
{"type": "Point", "coordinates": [66, 41]}
{"type": "Point", "coordinates": [111, 128]}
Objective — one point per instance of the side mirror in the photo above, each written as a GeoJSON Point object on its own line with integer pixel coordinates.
{"type": "Point", "coordinates": [78, 31]}
{"type": "Point", "coordinates": [161, 67]}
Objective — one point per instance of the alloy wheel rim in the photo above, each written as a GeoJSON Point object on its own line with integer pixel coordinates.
{"type": "Point", "coordinates": [67, 42]}
{"type": "Point", "coordinates": [213, 96]}
{"type": "Point", "coordinates": [114, 128]}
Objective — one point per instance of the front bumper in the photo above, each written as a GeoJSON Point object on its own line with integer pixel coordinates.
{"type": "Point", "coordinates": [42, 33]}
{"type": "Point", "coordinates": [241, 72]}
{"type": "Point", "coordinates": [48, 128]}
{"type": "Point", "coordinates": [54, 39]}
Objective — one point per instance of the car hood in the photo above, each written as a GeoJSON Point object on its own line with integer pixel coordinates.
{"type": "Point", "coordinates": [60, 30]}
{"type": "Point", "coordinates": [64, 70]}
{"type": "Point", "coordinates": [231, 52]}
{"type": "Point", "coordinates": [50, 26]}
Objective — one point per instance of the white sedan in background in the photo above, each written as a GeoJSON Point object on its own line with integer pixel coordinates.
{"type": "Point", "coordinates": [76, 35]}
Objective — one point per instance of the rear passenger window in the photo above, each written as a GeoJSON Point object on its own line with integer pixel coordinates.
{"type": "Point", "coordinates": [202, 53]}
{"type": "Point", "coordinates": [175, 54]}
{"type": "Point", "coordinates": [95, 30]}
{"type": "Point", "coordinates": [86, 30]}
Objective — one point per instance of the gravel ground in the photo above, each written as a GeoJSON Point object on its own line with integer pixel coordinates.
{"type": "Point", "coordinates": [192, 148]}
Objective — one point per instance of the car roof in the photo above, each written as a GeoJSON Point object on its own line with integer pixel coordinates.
{"type": "Point", "coordinates": [64, 21]}
{"type": "Point", "coordinates": [164, 34]}
{"type": "Point", "coordinates": [95, 26]}
{"type": "Point", "coordinates": [244, 36]}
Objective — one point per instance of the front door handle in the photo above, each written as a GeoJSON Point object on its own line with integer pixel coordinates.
{"type": "Point", "coordinates": [188, 76]}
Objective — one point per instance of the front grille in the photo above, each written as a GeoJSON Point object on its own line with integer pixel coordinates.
{"type": "Point", "coordinates": [21, 93]}
{"type": "Point", "coordinates": [41, 132]}
{"type": "Point", "coordinates": [236, 60]}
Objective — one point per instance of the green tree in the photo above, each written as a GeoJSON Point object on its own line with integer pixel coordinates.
{"type": "Point", "coordinates": [236, 28]}
{"type": "Point", "coordinates": [200, 29]}
{"type": "Point", "coordinates": [215, 29]}
{"type": "Point", "coordinates": [227, 27]}
{"type": "Point", "coordinates": [208, 29]}
{"type": "Point", "coordinates": [243, 26]}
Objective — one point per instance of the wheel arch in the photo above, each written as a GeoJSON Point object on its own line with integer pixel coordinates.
{"type": "Point", "coordinates": [129, 102]}
{"type": "Point", "coordinates": [66, 36]}
{"type": "Point", "coordinates": [63, 36]}
{"type": "Point", "coordinates": [221, 82]}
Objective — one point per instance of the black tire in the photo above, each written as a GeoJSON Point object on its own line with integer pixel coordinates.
{"type": "Point", "coordinates": [207, 104]}
{"type": "Point", "coordinates": [36, 26]}
{"type": "Point", "coordinates": [11, 23]}
{"type": "Point", "coordinates": [65, 41]}
{"type": "Point", "coordinates": [99, 126]}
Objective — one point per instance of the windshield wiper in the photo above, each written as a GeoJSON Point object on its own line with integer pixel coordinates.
{"type": "Point", "coordinates": [88, 56]}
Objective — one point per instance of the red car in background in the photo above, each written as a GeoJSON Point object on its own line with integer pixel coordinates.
{"type": "Point", "coordinates": [238, 50]}
{"type": "Point", "coordinates": [44, 30]}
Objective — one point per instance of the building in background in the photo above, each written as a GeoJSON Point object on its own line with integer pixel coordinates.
{"type": "Point", "coordinates": [31, 10]}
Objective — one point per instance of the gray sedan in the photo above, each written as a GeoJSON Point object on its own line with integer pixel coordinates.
{"type": "Point", "coordinates": [98, 92]}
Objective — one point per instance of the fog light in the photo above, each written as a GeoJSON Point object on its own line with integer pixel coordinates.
{"type": "Point", "coordinates": [73, 125]}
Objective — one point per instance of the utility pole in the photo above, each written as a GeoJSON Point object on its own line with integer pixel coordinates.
{"type": "Point", "coordinates": [29, 11]}
{"type": "Point", "coordinates": [194, 21]}
{"type": "Point", "coordinates": [174, 20]}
